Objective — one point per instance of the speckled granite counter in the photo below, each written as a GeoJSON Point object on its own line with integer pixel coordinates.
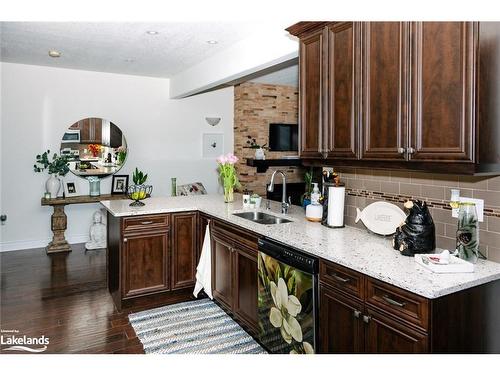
{"type": "Point", "coordinates": [351, 247]}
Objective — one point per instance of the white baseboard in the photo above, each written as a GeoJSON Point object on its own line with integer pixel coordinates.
{"type": "Point", "coordinates": [34, 244]}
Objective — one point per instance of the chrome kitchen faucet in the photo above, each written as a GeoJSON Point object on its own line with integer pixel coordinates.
{"type": "Point", "coordinates": [285, 204]}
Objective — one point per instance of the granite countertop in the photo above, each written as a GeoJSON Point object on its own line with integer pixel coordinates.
{"type": "Point", "coordinates": [354, 248]}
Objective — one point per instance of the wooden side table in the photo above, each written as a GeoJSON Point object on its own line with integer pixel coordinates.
{"type": "Point", "coordinates": [59, 222]}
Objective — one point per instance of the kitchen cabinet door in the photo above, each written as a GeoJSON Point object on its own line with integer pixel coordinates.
{"type": "Point", "coordinates": [245, 288]}
{"type": "Point", "coordinates": [184, 249]}
{"type": "Point", "coordinates": [343, 54]}
{"type": "Point", "coordinates": [340, 323]}
{"type": "Point", "coordinates": [222, 270]}
{"type": "Point", "coordinates": [311, 64]}
{"type": "Point", "coordinates": [383, 90]}
{"type": "Point", "coordinates": [145, 263]}
{"type": "Point", "coordinates": [386, 335]}
{"type": "Point", "coordinates": [442, 90]}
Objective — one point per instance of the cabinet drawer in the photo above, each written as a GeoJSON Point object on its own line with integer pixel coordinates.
{"type": "Point", "coordinates": [341, 278]}
{"type": "Point", "coordinates": [237, 236]}
{"type": "Point", "coordinates": [400, 303]}
{"type": "Point", "coordinates": [145, 222]}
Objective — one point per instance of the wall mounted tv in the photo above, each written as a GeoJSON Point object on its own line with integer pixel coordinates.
{"type": "Point", "coordinates": [283, 137]}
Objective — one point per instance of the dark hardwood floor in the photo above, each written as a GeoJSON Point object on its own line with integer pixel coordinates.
{"type": "Point", "coordinates": [65, 298]}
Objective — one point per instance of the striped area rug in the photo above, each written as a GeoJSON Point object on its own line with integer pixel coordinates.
{"type": "Point", "coordinates": [195, 327]}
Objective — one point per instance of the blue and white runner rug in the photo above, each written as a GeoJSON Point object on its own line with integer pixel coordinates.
{"type": "Point", "coordinates": [195, 327]}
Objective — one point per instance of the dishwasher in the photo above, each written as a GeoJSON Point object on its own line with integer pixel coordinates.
{"type": "Point", "coordinates": [287, 299]}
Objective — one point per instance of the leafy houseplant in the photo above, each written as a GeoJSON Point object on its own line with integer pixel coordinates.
{"type": "Point", "coordinates": [228, 175]}
{"type": "Point", "coordinates": [259, 149]}
{"type": "Point", "coordinates": [306, 197]}
{"type": "Point", "coordinates": [139, 190]}
{"type": "Point", "coordinates": [58, 166]}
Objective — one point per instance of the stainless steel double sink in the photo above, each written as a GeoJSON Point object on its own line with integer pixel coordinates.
{"type": "Point", "coordinates": [262, 217]}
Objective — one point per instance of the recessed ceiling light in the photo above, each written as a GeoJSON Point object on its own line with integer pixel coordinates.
{"type": "Point", "coordinates": [212, 42]}
{"type": "Point", "coordinates": [54, 53]}
{"type": "Point", "coordinates": [152, 32]}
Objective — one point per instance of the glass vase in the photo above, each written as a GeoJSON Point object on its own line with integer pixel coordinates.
{"type": "Point", "coordinates": [228, 194]}
{"type": "Point", "coordinates": [468, 233]}
{"type": "Point", "coordinates": [173, 186]}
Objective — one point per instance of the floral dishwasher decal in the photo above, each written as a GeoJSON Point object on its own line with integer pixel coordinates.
{"type": "Point", "coordinates": [285, 304]}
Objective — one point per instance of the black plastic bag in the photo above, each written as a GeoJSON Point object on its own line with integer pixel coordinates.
{"type": "Point", "coordinates": [417, 234]}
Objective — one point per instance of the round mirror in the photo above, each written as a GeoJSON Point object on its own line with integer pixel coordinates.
{"type": "Point", "coordinates": [94, 147]}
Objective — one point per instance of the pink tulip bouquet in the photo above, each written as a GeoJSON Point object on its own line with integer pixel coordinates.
{"type": "Point", "coordinates": [228, 175]}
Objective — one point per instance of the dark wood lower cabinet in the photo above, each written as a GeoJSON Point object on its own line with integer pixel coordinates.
{"type": "Point", "coordinates": [386, 335]}
{"type": "Point", "coordinates": [184, 249]}
{"type": "Point", "coordinates": [222, 267]}
{"type": "Point", "coordinates": [245, 285]}
{"type": "Point", "coordinates": [234, 272]}
{"type": "Point", "coordinates": [341, 328]}
{"type": "Point", "coordinates": [152, 259]}
{"type": "Point", "coordinates": [362, 314]}
{"type": "Point", "coordinates": [145, 263]}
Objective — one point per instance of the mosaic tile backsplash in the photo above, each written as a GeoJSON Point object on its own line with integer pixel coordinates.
{"type": "Point", "coordinates": [367, 186]}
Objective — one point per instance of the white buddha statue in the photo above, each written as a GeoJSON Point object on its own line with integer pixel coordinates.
{"type": "Point", "coordinates": [97, 233]}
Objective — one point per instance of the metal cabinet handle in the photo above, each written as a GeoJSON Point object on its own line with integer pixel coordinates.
{"type": "Point", "coordinates": [390, 301]}
{"type": "Point", "coordinates": [125, 240]}
{"type": "Point", "coordinates": [367, 318]}
{"type": "Point", "coordinates": [341, 279]}
{"type": "Point", "coordinates": [357, 314]}
{"type": "Point", "coordinates": [146, 222]}
{"type": "Point", "coordinates": [401, 150]}
{"type": "Point", "coordinates": [410, 150]}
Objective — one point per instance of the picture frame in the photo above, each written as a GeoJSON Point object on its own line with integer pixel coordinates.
{"type": "Point", "coordinates": [119, 184]}
{"type": "Point", "coordinates": [70, 189]}
{"type": "Point", "coordinates": [213, 145]}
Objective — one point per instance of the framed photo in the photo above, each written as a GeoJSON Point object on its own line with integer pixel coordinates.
{"type": "Point", "coordinates": [70, 189]}
{"type": "Point", "coordinates": [213, 145]}
{"type": "Point", "coordinates": [119, 184]}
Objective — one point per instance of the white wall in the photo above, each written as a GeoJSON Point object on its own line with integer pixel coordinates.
{"type": "Point", "coordinates": [270, 46]}
{"type": "Point", "coordinates": [164, 138]}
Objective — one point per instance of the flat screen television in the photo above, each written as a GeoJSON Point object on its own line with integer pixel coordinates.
{"type": "Point", "coordinates": [283, 137]}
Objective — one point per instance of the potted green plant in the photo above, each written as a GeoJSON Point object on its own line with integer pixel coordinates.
{"type": "Point", "coordinates": [306, 197]}
{"type": "Point", "coordinates": [139, 191]}
{"type": "Point", "coordinates": [259, 149]}
{"type": "Point", "coordinates": [58, 166]}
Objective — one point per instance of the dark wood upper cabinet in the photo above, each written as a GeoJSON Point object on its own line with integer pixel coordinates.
{"type": "Point", "coordinates": [311, 94]}
{"type": "Point", "coordinates": [145, 263]}
{"type": "Point", "coordinates": [443, 84]}
{"type": "Point", "coordinates": [341, 130]}
{"type": "Point", "coordinates": [401, 95]}
{"type": "Point", "coordinates": [184, 249]}
{"type": "Point", "coordinates": [383, 90]}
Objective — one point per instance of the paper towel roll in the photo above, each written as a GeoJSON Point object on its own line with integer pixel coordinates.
{"type": "Point", "coordinates": [336, 197]}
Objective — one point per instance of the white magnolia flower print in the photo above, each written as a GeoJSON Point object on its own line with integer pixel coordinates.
{"type": "Point", "coordinates": [283, 313]}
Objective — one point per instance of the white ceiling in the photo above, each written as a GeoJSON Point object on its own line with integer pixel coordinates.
{"type": "Point", "coordinates": [109, 46]}
{"type": "Point", "coordinates": [287, 76]}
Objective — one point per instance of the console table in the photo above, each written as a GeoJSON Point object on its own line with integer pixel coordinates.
{"type": "Point", "coordinates": [59, 220]}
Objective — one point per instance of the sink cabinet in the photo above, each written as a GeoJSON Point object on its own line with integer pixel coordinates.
{"type": "Point", "coordinates": [400, 95]}
{"type": "Point", "coordinates": [152, 258]}
{"type": "Point", "coordinates": [234, 272]}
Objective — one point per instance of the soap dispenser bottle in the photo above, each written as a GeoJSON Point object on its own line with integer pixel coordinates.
{"type": "Point", "coordinates": [314, 211]}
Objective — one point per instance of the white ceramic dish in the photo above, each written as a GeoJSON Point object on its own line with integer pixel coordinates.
{"type": "Point", "coordinates": [381, 217]}
{"type": "Point", "coordinates": [456, 265]}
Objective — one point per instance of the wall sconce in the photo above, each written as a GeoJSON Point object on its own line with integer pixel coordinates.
{"type": "Point", "coordinates": [212, 120]}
